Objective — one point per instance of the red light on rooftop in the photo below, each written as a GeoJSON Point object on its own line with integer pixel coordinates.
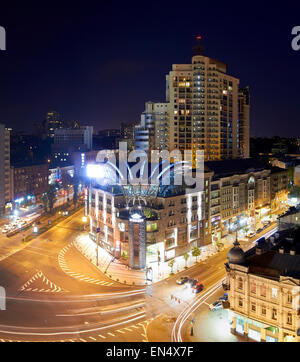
{"type": "Point", "coordinates": [199, 37]}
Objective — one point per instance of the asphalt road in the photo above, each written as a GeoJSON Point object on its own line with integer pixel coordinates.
{"type": "Point", "coordinates": [55, 294]}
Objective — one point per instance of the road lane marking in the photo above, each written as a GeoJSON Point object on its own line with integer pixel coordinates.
{"type": "Point", "coordinates": [40, 276]}
{"type": "Point", "coordinates": [111, 334]}
{"type": "Point", "coordinates": [81, 277]}
{"type": "Point", "coordinates": [100, 335]}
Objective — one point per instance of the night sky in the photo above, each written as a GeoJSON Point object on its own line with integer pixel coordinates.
{"type": "Point", "coordinates": [101, 62]}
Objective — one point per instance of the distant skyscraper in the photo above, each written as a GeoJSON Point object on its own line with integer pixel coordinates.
{"type": "Point", "coordinates": [53, 122]}
{"type": "Point", "coordinates": [152, 132]}
{"type": "Point", "coordinates": [127, 134]}
{"type": "Point", "coordinates": [5, 193]}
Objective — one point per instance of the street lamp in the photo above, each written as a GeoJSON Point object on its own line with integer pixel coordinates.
{"type": "Point", "coordinates": [84, 220]}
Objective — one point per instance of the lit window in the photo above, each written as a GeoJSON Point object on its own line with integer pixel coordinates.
{"type": "Point", "coordinates": [263, 290]}
{"type": "Point", "coordinates": [274, 292]}
{"type": "Point", "coordinates": [253, 287]}
{"type": "Point", "coordinates": [240, 283]}
{"type": "Point", "coordinates": [289, 318]}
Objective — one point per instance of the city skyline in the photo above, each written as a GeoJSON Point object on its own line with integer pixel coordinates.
{"type": "Point", "coordinates": [134, 204]}
{"type": "Point", "coordinates": [39, 66]}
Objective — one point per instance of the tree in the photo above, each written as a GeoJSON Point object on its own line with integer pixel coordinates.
{"type": "Point", "coordinates": [196, 252]}
{"type": "Point", "coordinates": [51, 195]}
{"type": "Point", "coordinates": [219, 245]}
{"type": "Point", "coordinates": [186, 256]}
{"type": "Point", "coordinates": [75, 183]}
{"type": "Point", "coordinates": [66, 183]}
{"type": "Point", "coordinates": [45, 201]}
{"type": "Point", "coordinates": [246, 228]}
{"type": "Point", "coordinates": [171, 265]}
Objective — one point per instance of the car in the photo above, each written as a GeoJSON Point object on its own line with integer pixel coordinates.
{"type": "Point", "coordinates": [192, 282]}
{"type": "Point", "coordinates": [224, 298]}
{"type": "Point", "coordinates": [251, 235]}
{"type": "Point", "coordinates": [198, 288]}
{"type": "Point", "coordinates": [259, 230]}
{"type": "Point", "coordinates": [182, 280]}
{"type": "Point", "coordinates": [216, 305]}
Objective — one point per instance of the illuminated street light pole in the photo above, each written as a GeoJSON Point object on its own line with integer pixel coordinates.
{"type": "Point", "coordinates": [97, 240]}
{"type": "Point", "coordinates": [84, 220]}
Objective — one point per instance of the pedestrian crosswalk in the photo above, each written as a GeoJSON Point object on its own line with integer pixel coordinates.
{"type": "Point", "coordinates": [76, 275]}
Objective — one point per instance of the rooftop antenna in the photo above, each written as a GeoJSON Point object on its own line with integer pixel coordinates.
{"type": "Point", "coordinates": [198, 49]}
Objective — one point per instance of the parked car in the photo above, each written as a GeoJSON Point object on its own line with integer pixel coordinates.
{"type": "Point", "coordinates": [198, 288]}
{"type": "Point", "coordinates": [259, 231]}
{"type": "Point", "coordinates": [182, 280]}
{"type": "Point", "coordinates": [224, 298]}
{"type": "Point", "coordinates": [216, 305]}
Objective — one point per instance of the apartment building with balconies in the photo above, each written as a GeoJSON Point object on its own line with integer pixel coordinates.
{"type": "Point", "coordinates": [239, 196]}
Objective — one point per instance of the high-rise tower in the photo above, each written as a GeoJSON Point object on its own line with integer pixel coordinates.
{"type": "Point", "coordinates": [204, 107]}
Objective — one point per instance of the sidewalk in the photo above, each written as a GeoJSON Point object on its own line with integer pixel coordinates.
{"type": "Point", "coordinates": [119, 272]}
{"type": "Point", "coordinates": [106, 263]}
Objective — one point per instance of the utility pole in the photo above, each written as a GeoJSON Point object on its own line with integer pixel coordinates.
{"type": "Point", "coordinates": [158, 261]}
{"type": "Point", "coordinates": [97, 239]}
{"type": "Point", "coordinates": [192, 325]}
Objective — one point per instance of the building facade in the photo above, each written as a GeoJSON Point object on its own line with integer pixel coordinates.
{"type": "Point", "coordinates": [235, 196]}
{"type": "Point", "coordinates": [67, 141]}
{"type": "Point", "coordinates": [153, 131]}
{"type": "Point", "coordinates": [127, 134]}
{"type": "Point", "coordinates": [264, 291]}
{"type": "Point", "coordinates": [29, 180]}
{"type": "Point", "coordinates": [240, 196]}
{"type": "Point", "coordinates": [205, 109]}
{"type": "Point", "coordinates": [244, 123]}
{"type": "Point", "coordinates": [5, 181]}
{"type": "Point", "coordinates": [173, 223]}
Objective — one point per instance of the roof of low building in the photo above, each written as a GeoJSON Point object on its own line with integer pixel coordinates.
{"type": "Point", "coordinates": [279, 257]}
{"type": "Point", "coordinates": [235, 166]}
